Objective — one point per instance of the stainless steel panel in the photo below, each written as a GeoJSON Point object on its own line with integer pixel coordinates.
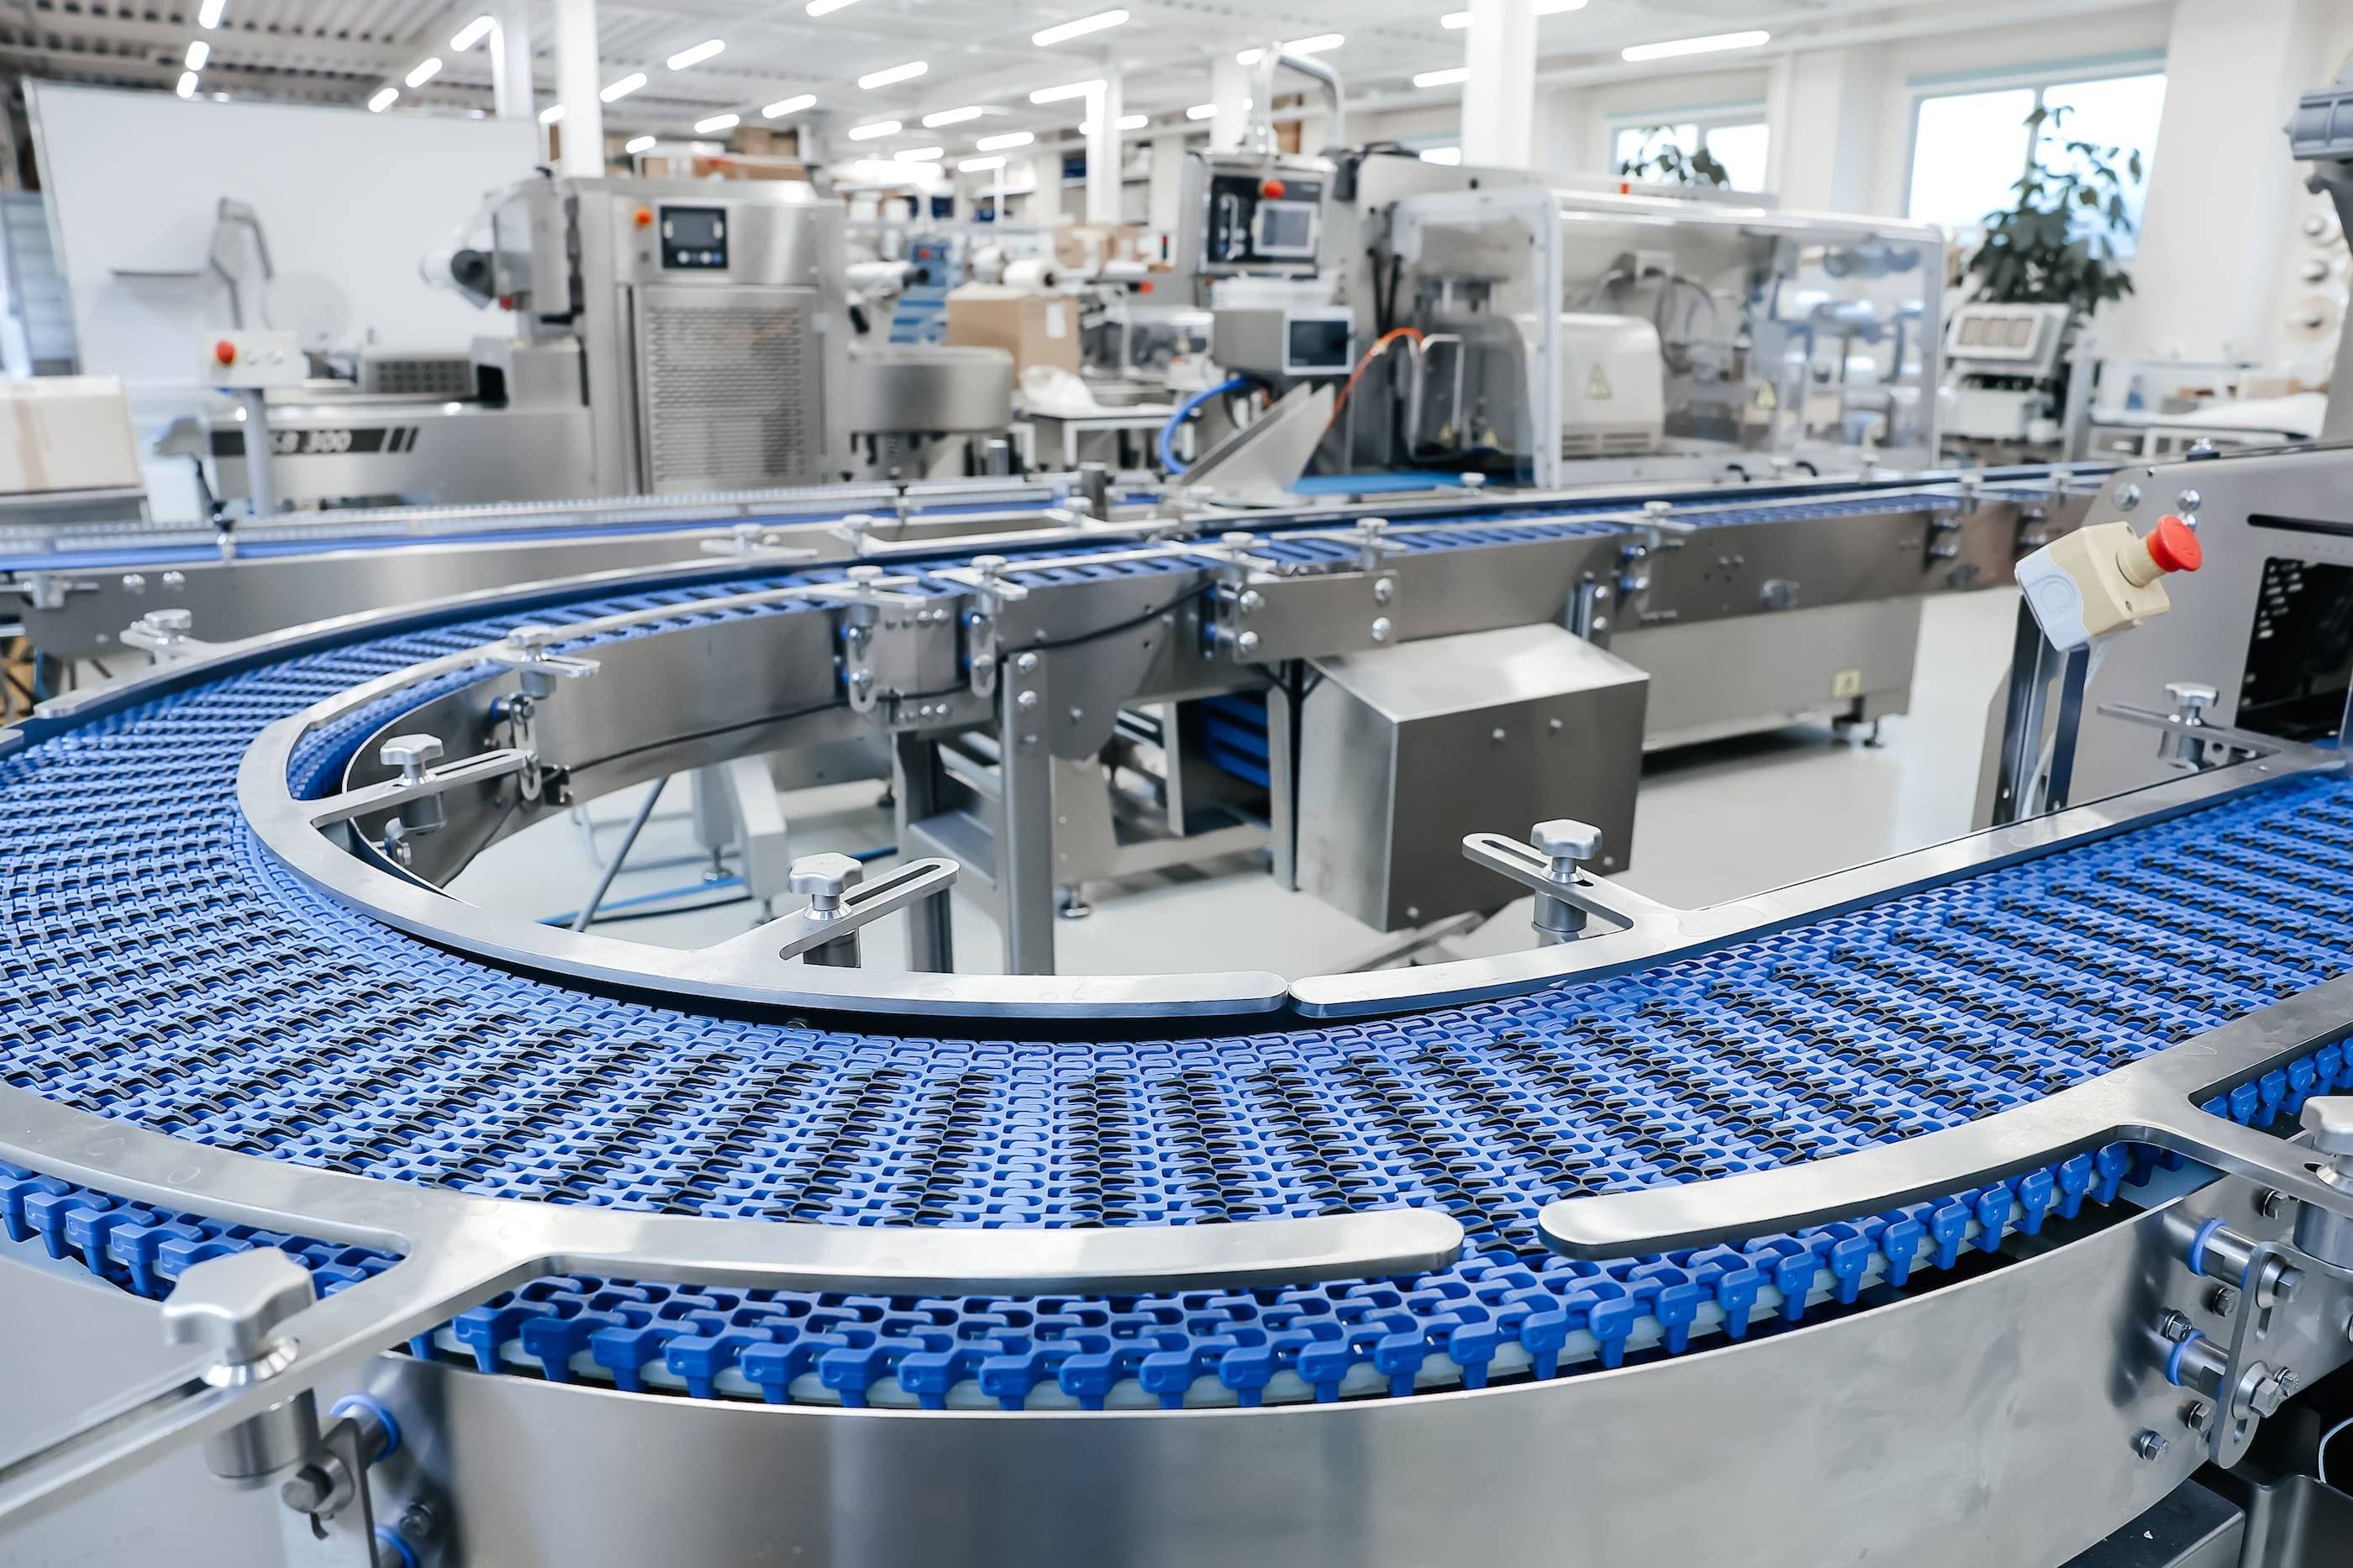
{"type": "Point", "coordinates": [1712, 679]}
{"type": "Point", "coordinates": [1985, 1425]}
{"type": "Point", "coordinates": [1404, 750]}
{"type": "Point", "coordinates": [732, 387]}
{"type": "Point", "coordinates": [927, 387]}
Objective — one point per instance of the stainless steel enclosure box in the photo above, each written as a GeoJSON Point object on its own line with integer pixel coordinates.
{"type": "Point", "coordinates": [705, 314]}
{"type": "Point", "coordinates": [1403, 750]}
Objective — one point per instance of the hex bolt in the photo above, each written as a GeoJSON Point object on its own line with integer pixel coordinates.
{"type": "Point", "coordinates": [1252, 602]}
{"type": "Point", "coordinates": [307, 1490]}
{"type": "Point", "coordinates": [2188, 500]}
{"type": "Point", "coordinates": [1246, 644]}
{"type": "Point", "coordinates": [1381, 628]}
{"type": "Point", "coordinates": [2175, 1326]}
{"type": "Point", "coordinates": [417, 1521]}
{"type": "Point", "coordinates": [2127, 496]}
{"type": "Point", "coordinates": [2196, 1414]}
{"type": "Point", "coordinates": [2269, 1202]}
{"type": "Point", "coordinates": [1027, 664]}
{"type": "Point", "coordinates": [1384, 590]}
{"type": "Point", "coordinates": [826, 879]}
{"type": "Point", "coordinates": [2223, 1301]}
{"type": "Point", "coordinates": [1026, 701]}
{"type": "Point", "coordinates": [412, 754]}
{"type": "Point", "coordinates": [2149, 1444]}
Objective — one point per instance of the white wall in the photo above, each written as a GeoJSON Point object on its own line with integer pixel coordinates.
{"type": "Point", "coordinates": [133, 180]}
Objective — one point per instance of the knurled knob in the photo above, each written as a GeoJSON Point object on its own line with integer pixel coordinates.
{"type": "Point", "coordinates": [825, 878]}
{"type": "Point", "coordinates": [2329, 1119]}
{"type": "Point", "coordinates": [1565, 838]}
{"type": "Point", "coordinates": [412, 754]}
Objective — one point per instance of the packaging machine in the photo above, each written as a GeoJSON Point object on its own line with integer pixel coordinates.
{"type": "Point", "coordinates": [476, 1240]}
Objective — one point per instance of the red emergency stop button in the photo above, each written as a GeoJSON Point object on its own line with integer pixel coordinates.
{"type": "Point", "coordinates": [644, 218]}
{"type": "Point", "coordinates": [224, 351]}
{"type": "Point", "coordinates": [1270, 189]}
{"type": "Point", "coordinates": [2173, 545]}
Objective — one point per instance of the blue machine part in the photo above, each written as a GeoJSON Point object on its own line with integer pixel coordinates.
{"type": "Point", "coordinates": [165, 970]}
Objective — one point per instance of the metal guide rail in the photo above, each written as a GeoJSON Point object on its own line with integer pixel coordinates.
{"type": "Point", "coordinates": [1489, 1175]}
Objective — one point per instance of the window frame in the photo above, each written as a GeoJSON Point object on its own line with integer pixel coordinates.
{"type": "Point", "coordinates": [2039, 78]}
{"type": "Point", "coordinates": [1702, 118]}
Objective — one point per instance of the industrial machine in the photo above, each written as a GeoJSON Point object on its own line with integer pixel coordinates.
{"type": "Point", "coordinates": [669, 337]}
{"type": "Point", "coordinates": [2007, 379]}
{"type": "Point", "coordinates": [357, 1224]}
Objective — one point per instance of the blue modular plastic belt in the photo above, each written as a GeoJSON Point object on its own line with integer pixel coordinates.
{"type": "Point", "coordinates": [163, 969]}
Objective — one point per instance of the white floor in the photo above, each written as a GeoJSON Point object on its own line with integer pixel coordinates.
{"type": "Point", "coordinates": [1715, 822]}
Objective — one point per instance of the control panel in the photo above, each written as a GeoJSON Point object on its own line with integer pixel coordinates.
{"type": "Point", "coordinates": [242, 359]}
{"type": "Point", "coordinates": [1253, 213]}
{"type": "Point", "coordinates": [2005, 340]}
{"type": "Point", "coordinates": [1283, 342]}
{"type": "Point", "coordinates": [693, 239]}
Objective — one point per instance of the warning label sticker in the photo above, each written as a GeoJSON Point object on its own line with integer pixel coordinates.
{"type": "Point", "coordinates": [1597, 385]}
{"type": "Point", "coordinates": [1767, 397]}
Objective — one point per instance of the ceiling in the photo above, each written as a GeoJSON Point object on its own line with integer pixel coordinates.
{"type": "Point", "coordinates": [975, 51]}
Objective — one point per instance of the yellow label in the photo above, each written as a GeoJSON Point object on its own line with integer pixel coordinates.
{"type": "Point", "coordinates": [1766, 396]}
{"type": "Point", "coordinates": [1847, 683]}
{"type": "Point", "coordinates": [1597, 385]}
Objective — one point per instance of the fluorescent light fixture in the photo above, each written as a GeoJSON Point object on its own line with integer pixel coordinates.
{"type": "Point", "coordinates": [1321, 43]}
{"type": "Point", "coordinates": [792, 105]}
{"type": "Point", "coordinates": [827, 8]}
{"type": "Point", "coordinates": [1446, 78]}
{"type": "Point", "coordinates": [873, 129]}
{"type": "Point", "coordinates": [198, 53]}
{"type": "Point", "coordinates": [1007, 139]}
{"type": "Point", "coordinates": [376, 105]}
{"type": "Point", "coordinates": [424, 71]}
{"type": "Point", "coordinates": [1063, 32]}
{"type": "Point", "coordinates": [907, 72]}
{"type": "Point", "coordinates": [695, 55]}
{"type": "Point", "coordinates": [920, 154]}
{"type": "Point", "coordinates": [1202, 111]}
{"type": "Point", "coordinates": [472, 33]}
{"type": "Point", "coordinates": [551, 114]}
{"type": "Point", "coordinates": [1126, 123]}
{"type": "Point", "coordinates": [187, 88]}
{"type": "Point", "coordinates": [208, 14]}
{"type": "Point", "coordinates": [1706, 45]}
{"type": "Point", "coordinates": [717, 122]}
{"type": "Point", "coordinates": [1542, 8]}
{"type": "Point", "coordinates": [1068, 90]}
{"type": "Point", "coordinates": [938, 118]}
{"type": "Point", "coordinates": [639, 145]}
{"type": "Point", "coordinates": [622, 88]}
{"type": "Point", "coordinates": [979, 166]}
{"type": "Point", "coordinates": [1441, 154]}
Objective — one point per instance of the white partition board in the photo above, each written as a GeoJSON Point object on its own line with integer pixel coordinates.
{"type": "Point", "coordinates": [135, 181]}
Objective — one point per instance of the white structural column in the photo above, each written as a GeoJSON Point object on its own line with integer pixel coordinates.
{"type": "Point", "coordinates": [1045, 207]}
{"type": "Point", "coordinates": [1102, 148]}
{"type": "Point", "coordinates": [1164, 202]}
{"type": "Point", "coordinates": [511, 87]}
{"type": "Point", "coordinates": [1230, 90]}
{"type": "Point", "coordinates": [578, 78]}
{"type": "Point", "coordinates": [1499, 100]}
{"type": "Point", "coordinates": [1822, 112]}
{"type": "Point", "coordinates": [2221, 190]}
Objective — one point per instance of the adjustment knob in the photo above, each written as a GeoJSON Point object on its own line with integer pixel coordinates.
{"type": "Point", "coordinates": [173, 622]}
{"type": "Point", "coordinates": [1565, 838]}
{"type": "Point", "coordinates": [235, 1304]}
{"type": "Point", "coordinates": [412, 754]}
{"type": "Point", "coordinates": [2190, 699]}
{"type": "Point", "coordinates": [825, 879]}
{"type": "Point", "coordinates": [2330, 1120]}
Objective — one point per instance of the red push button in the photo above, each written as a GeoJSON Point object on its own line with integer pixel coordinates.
{"type": "Point", "coordinates": [645, 218]}
{"type": "Point", "coordinates": [224, 351]}
{"type": "Point", "coordinates": [2173, 545]}
{"type": "Point", "coordinates": [1270, 189]}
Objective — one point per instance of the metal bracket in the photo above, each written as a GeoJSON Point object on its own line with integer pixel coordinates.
{"type": "Point", "coordinates": [2189, 735]}
{"type": "Point", "coordinates": [746, 540]}
{"type": "Point", "coordinates": [46, 590]}
{"type": "Point", "coordinates": [1550, 868]}
{"type": "Point", "coordinates": [1265, 617]}
{"type": "Point", "coordinates": [990, 594]}
{"type": "Point", "coordinates": [418, 782]}
{"type": "Point", "coordinates": [841, 902]}
{"type": "Point", "coordinates": [874, 609]}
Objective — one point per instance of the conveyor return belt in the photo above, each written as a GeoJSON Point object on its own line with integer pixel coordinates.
{"type": "Point", "coordinates": [164, 970]}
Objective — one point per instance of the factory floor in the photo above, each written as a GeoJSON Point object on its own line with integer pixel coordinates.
{"type": "Point", "coordinates": [1713, 823]}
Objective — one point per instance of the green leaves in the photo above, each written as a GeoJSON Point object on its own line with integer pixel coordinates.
{"type": "Point", "coordinates": [2056, 243]}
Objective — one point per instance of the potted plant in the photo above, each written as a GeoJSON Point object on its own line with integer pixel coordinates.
{"type": "Point", "coordinates": [2056, 243]}
{"type": "Point", "coordinates": [1664, 162]}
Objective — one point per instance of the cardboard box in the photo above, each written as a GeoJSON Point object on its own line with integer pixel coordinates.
{"type": "Point", "coordinates": [1086, 246]}
{"type": "Point", "coordinates": [67, 433]}
{"type": "Point", "coordinates": [1035, 328]}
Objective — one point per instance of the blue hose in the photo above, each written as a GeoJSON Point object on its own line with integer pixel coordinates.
{"type": "Point", "coordinates": [1166, 444]}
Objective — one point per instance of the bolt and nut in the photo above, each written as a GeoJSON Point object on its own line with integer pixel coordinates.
{"type": "Point", "coordinates": [2149, 1445]}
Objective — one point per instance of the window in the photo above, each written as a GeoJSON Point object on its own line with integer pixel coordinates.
{"type": "Point", "coordinates": [1969, 148]}
{"type": "Point", "coordinates": [1736, 140]}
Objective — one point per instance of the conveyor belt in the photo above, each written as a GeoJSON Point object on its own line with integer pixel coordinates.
{"type": "Point", "coordinates": [164, 970]}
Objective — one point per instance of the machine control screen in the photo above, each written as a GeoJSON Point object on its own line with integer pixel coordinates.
{"type": "Point", "coordinates": [1317, 343]}
{"type": "Point", "coordinates": [694, 238]}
